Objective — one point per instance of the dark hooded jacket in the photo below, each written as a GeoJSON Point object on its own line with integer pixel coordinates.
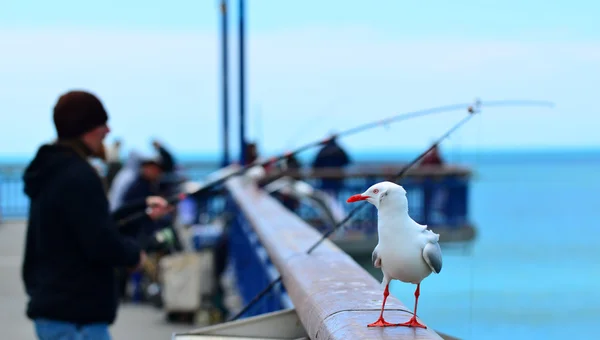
{"type": "Point", "coordinates": [72, 243]}
{"type": "Point", "coordinates": [331, 156]}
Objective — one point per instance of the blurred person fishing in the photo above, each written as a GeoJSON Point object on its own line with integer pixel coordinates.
{"type": "Point", "coordinates": [123, 179]}
{"type": "Point", "coordinates": [113, 161]}
{"type": "Point", "coordinates": [331, 155]}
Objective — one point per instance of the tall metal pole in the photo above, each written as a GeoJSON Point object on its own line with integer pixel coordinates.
{"type": "Point", "coordinates": [242, 84]}
{"type": "Point", "coordinates": [225, 95]}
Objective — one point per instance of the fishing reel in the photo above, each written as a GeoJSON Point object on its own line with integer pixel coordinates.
{"type": "Point", "coordinates": [475, 108]}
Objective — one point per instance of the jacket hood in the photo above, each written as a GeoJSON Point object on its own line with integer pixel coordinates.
{"type": "Point", "coordinates": [133, 161]}
{"type": "Point", "coordinates": [49, 159]}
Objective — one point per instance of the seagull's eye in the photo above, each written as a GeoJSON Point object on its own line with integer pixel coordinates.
{"type": "Point", "coordinates": [375, 191]}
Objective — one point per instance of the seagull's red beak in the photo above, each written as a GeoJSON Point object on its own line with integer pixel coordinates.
{"type": "Point", "coordinates": [356, 198]}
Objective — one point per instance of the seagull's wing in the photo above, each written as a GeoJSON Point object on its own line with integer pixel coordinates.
{"type": "Point", "coordinates": [430, 236]}
{"type": "Point", "coordinates": [375, 258]}
{"type": "Point", "coordinates": [432, 253]}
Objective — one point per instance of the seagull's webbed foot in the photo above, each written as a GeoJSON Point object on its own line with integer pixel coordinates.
{"type": "Point", "coordinates": [412, 323]}
{"type": "Point", "coordinates": [381, 323]}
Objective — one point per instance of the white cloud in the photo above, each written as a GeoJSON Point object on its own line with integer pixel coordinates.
{"type": "Point", "coordinates": [167, 83]}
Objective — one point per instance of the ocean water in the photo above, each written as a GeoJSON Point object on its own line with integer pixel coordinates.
{"type": "Point", "coordinates": [534, 270]}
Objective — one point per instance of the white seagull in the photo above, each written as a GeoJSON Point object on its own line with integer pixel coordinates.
{"type": "Point", "coordinates": [406, 250]}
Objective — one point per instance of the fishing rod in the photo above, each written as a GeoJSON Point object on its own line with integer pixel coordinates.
{"type": "Point", "coordinates": [472, 110]}
{"type": "Point", "coordinates": [207, 187]}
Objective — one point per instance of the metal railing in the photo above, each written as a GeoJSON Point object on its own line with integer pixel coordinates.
{"type": "Point", "coordinates": [428, 194]}
{"type": "Point", "coordinates": [253, 269]}
{"type": "Point", "coordinates": [334, 297]}
{"type": "Point", "coordinates": [437, 196]}
{"type": "Point", "coordinates": [13, 202]}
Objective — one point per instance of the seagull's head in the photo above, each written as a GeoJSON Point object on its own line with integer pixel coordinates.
{"type": "Point", "coordinates": [381, 193]}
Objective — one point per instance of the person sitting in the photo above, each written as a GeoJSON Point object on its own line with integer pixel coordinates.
{"type": "Point", "coordinates": [123, 179]}
{"type": "Point", "coordinates": [145, 184]}
{"type": "Point", "coordinates": [432, 157]}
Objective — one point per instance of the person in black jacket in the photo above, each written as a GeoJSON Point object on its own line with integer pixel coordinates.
{"type": "Point", "coordinates": [167, 160]}
{"type": "Point", "coordinates": [169, 178]}
{"type": "Point", "coordinates": [72, 245]}
{"type": "Point", "coordinates": [331, 155]}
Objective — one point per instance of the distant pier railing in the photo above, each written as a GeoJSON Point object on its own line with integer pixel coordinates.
{"type": "Point", "coordinates": [13, 202]}
{"type": "Point", "coordinates": [333, 296]}
{"type": "Point", "coordinates": [438, 196]}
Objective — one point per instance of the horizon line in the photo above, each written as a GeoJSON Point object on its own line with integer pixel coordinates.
{"type": "Point", "coordinates": [379, 151]}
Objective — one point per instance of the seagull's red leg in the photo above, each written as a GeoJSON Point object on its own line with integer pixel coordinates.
{"type": "Point", "coordinates": [381, 322]}
{"type": "Point", "coordinates": [413, 321]}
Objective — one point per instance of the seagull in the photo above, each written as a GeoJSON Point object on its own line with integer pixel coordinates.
{"type": "Point", "coordinates": [406, 251]}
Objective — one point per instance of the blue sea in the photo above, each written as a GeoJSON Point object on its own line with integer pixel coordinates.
{"type": "Point", "coordinates": [534, 270]}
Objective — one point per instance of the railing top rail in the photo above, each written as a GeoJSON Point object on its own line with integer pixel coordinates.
{"type": "Point", "coordinates": [334, 297]}
{"type": "Point", "coordinates": [371, 169]}
{"type": "Point", "coordinates": [390, 170]}
{"type": "Point", "coordinates": [394, 168]}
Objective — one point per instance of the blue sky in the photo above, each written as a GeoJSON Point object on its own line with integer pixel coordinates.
{"type": "Point", "coordinates": [313, 67]}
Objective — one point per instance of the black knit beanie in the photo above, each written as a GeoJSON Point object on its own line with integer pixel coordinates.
{"type": "Point", "coordinates": [77, 112]}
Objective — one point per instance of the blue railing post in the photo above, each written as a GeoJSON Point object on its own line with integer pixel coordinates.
{"type": "Point", "coordinates": [252, 266]}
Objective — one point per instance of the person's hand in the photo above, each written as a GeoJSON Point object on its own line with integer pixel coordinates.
{"type": "Point", "coordinates": [140, 265]}
{"type": "Point", "coordinates": [156, 201]}
{"type": "Point", "coordinates": [157, 207]}
{"type": "Point", "coordinates": [143, 259]}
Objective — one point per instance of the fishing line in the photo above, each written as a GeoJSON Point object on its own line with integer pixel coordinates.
{"type": "Point", "coordinates": [396, 118]}
{"type": "Point", "coordinates": [316, 120]}
{"type": "Point", "coordinates": [472, 264]}
{"type": "Point", "coordinates": [471, 112]}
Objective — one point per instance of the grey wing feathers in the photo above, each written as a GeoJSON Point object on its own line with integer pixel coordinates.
{"type": "Point", "coordinates": [432, 253]}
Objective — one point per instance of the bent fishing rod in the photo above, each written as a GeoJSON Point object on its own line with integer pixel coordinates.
{"type": "Point", "coordinates": [471, 113]}
{"type": "Point", "coordinates": [207, 187]}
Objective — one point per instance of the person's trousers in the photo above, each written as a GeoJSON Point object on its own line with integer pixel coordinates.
{"type": "Point", "coordinates": [60, 330]}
